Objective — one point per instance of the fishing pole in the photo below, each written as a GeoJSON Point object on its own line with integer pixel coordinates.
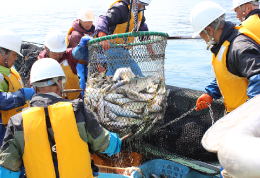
{"type": "Point", "coordinates": [182, 37]}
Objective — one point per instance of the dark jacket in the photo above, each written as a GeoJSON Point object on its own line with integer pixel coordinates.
{"type": "Point", "coordinates": [253, 12]}
{"type": "Point", "coordinates": [117, 14]}
{"type": "Point", "coordinates": [90, 131]}
{"type": "Point", "coordinates": [243, 57]}
{"type": "Point", "coordinates": [78, 33]}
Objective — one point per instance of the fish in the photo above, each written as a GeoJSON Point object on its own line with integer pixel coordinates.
{"type": "Point", "coordinates": [120, 111]}
{"type": "Point", "coordinates": [92, 93]}
{"type": "Point", "coordinates": [118, 84]}
{"type": "Point", "coordinates": [121, 101]}
{"type": "Point", "coordinates": [137, 96]}
{"type": "Point", "coordinates": [139, 84]}
{"type": "Point", "coordinates": [135, 106]}
{"type": "Point", "coordinates": [101, 109]}
{"type": "Point", "coordinates": [112, 116]}
{"type": "Point", "coordinates": [113, 96]}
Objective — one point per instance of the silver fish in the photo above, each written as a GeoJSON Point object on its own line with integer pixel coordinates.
{"type": "Point", "coordinates": [113, 96]}
{"type": "Point", "coordinates": [121, 101]}
{"type": "Point", "coordinates": [101, 109]}
{"type": "Point", "coordinates": [120, 111]}
{"type": "Point", "coordinates": [118, 84]}
{"type": "Point", "coordinates": [139, 84]}
{"type": "Point", "coordinates": [134, 106]}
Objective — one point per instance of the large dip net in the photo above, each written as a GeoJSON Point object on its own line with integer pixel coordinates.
{"type": "Point", "coordinates": [180, 141]}
{"type": "Point", "coordinates": [126, 83]}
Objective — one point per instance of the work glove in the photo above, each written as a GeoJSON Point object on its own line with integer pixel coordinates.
{"type": "Point", "coordinates": [202, 102]}
{"type": "Point", "coordinates": [104, 44]}
{"type": "Point", "coordinates": [84, 40]}
{"type": "Point", "coordinates": [28, 93]}
{"type": "Point", "coordinates": [114, 145]}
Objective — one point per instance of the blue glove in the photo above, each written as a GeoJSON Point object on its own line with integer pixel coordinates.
{"type": "Point", "coordinates": [5, 173]}
{"type": "Point", "coordinates": [28, 93]}
{"type": "Point", "coordinates": [80, 52]}
{"type": "Point", "coordinates": [114, 144]}
{"type": "Point", "coordinates": [84, 40]}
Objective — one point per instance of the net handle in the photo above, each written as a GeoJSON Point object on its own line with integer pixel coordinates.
{"type": "Point", "coordinates": [130, 34]}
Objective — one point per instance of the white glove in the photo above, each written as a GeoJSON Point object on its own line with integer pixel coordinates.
{"type": "Point", "coordinates": [124, 73]}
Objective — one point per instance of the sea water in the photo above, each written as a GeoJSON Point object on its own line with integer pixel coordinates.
{"type": "Point", "coordinates": [187, 64]}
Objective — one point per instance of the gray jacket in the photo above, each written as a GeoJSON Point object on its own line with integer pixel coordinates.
{"type": "Point", "coordinates": [89, 130]}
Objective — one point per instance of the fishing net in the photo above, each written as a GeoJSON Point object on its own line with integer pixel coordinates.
{"type": "Point", "coordinates": [23, 65]}
{"type": "Point", "coordinates": [179, 141]}
{"type": "Point", "coordinates": [126, 83]}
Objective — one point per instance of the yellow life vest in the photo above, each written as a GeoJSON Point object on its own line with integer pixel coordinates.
{"type": "Point", "coordinates": [120, 28]}
{"type": "Point", "coordinates": [72, 80]}
{"type": "Point", "coordinates": [252, 23]}
{"type": "Point", "coordinates": [232, 87]}
{"type": "Point", "coordinates": [14, 83]}
{"type": "Point", "coordinates": [67, 37]}
{"type": "Point", "coordinates": [72, 152]}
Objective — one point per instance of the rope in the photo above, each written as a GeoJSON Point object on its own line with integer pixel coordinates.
{"type": "Point", "coordinates": [185, 114]}
{"type": "Point", "coordinates": [129, 17]}
{"type": "Point", "coordinates": [130, 169]}
{"type": "Point", "coordinates": [175, 120]}
{"type": "Point", "coordinates": [135, 12]}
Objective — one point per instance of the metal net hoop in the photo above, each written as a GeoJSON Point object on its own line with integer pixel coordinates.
{"type": "Point", "coordinates": [126, 82]}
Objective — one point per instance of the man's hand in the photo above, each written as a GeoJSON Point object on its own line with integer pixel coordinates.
{"type": "Point", "coordinates": [105, 44]}
{"type": "Point", "coordinates": [202, 102]}
{"type": "Point", "coordinates": [151, 51]}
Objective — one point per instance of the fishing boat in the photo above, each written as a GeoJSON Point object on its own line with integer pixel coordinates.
{"type": "Point", "coordinates": [174, 148]}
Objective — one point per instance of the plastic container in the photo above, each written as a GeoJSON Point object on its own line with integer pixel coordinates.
{"type": "Point", "coordinates": [162, 167]}
{"type": "Point", "coordinates": [111, 175]}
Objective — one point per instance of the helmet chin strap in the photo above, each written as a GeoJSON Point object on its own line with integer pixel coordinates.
{"type": "Point", "coordinates": [244, 13]}
{"type": "Point", "coordinates": [61, 87]}
{"type": "Point", "coordinates": [2, 52]}
{"type": "Point", "coordinates": [211, 37]}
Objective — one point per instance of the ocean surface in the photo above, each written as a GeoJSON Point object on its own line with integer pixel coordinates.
{"type": "Point", "coordinates": [187, 64]}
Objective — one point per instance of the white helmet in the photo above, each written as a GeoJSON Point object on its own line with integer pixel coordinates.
{"type": "Point", "coordinates": [55, 41]}
{"type": "Point", "coordinates": [86, 15]}
{"type": "Point", "coordinates": [146, 2]}
{"type": "Point", "coordinates": [204, 14]}
{"type": "Point", "coordinates": [46, 68]}
{"type": "Point", "coordinates": [237, 3]}
{"type": "Point", "coordinates": [10, 40]}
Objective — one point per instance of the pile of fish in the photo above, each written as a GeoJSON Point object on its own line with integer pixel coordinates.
{"type": "Point", "coordinates": [126, 101]}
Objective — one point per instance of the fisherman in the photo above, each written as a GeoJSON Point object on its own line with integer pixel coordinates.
{"type": "Point", "coordinates": [120, 19]}
{"type": "Point", "coordinates": [58, 132]}
{"type": "Point", "coordinates": [13, 96]}
{"type": "Point", "coordinates": [248, 13]}
{"type": "Point", "coordinates": [80, 27]}
{"type": "Point", "coordinates": [56, 48]}
{"type": "Point", "coordinates": [236, 57]}
{"type": "Point", "coordinates": [245, 10]}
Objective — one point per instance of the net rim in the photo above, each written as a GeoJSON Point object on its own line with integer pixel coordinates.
{"type": "Point", "coordinates": [130, 34]}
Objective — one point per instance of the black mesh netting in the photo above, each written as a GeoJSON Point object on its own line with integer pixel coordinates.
{"type": "Point", "coordinates": [23, 64]}
{"type": "Point", "coordinates": [184, 136]}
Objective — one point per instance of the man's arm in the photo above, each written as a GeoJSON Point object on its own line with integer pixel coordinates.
{"type": "Point", "coordinates": [117, 14]}
{"type": "Point", "coordinates": [246, 62]}
{"type": "Point", "coordinates": [10, 153]}
{"type": "Point", "coordinates": [213, 90]}
{"type": "Point", "coordinates": [16, 99]}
